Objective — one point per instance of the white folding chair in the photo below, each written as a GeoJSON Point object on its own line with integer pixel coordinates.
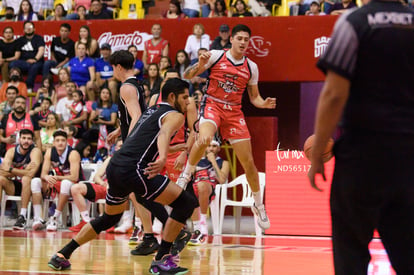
{"type": "Point", "coordinates": [215, 210]}
{"type": "Point", "coordinates": [246, 200]}
{"type": "Point", "coordinates": [6, 198]}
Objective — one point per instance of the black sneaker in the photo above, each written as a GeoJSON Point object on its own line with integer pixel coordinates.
{"type": "Point", "coordinates": [180, 242]}
{"type": "Point", "coordinates": [146, 247]}
{"type": "Point", "coordinates": [197, 239]}
{"type": "Point", "coordinates": [58, 263]}
{"type": "Point", "coordinates": [167, 265]}
{"type": "Point", "coordinates": [20, 223]}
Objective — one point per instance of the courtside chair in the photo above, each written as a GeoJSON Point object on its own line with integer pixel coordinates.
{"type": "Point", "coordinates": [215, 210]}
{"type": "Point", "coordinates": [246, 200]}
{"type": "Point", "coordinates": [3, 208]}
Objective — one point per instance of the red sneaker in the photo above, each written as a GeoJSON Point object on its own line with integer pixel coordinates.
{"type": "Point", "coordinates": [111, 230]}
{"type": "Point", "coordinates": [78, 227]}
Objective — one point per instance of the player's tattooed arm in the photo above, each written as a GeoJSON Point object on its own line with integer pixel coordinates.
{"type": "Point", "coordinates": [191, 71]}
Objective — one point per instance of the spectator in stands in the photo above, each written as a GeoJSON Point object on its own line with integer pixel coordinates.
{"type": "Point", "coordinates": [26, 12]}
{"type": "Point", "coordinates": [110, 5]}
{"type": "Point", "coordinates": [64, 77]}
{"type": "Point", "coordinates": [80, 12]}
{"type": "Point", "coordinates": [61, 51]}
{"type": "Point", "coordinates": [199, 81]}
{"type": "Point", "coordinates": [340, 8]}
{"type": "Point", "coordinates": [8, 16]}
{"type": "Point", "coordinates": [164, 65]}
{"type": "Point", "coordinates": [15, 121]}
{"type": "Point", "coordinates": [239, 9]}
{"type": "Point", "coordinates": [155, 48]}
{"type": "Point", "coordinates": [7, 106]}
{"type": "Point", "coordinates": [15, 77]}
{"type": "Point", "coordinates": [219, 10]}
{"type": "Point", "coordinates": [104, 114]}
{"type": "Point", "coordinates": [315, 9]}
{"type": "Point", "coordinates": [9, 51]}
{"type": "Point", "coordinates": [191, 8]}
{"type": "Point", "coordinates": [46, 89]}
{"type": "Point", "coordinates": [46, 133]}
{"type": "Point", "coordinates": [71, 131]}
{"type": "Point", "coordinates": [206, 7]}
{"type": "Point", "coordinates": [153, 80]}
{"type": "Point", "coordinates": [174, 11]}
{"type": "Point", "coordinates": [15, 4]}
{"type": "Point", "coordinates": [82, 69]}
{"type": "Point", "coordinates": [19, 166]}
{"type": "Point", "coordinates": [199, 39]}
{"type": "Point", "coordinates": [210, 170]}
{"type": "Point", "coordinates": [138, 65]}
{"type": "Point", "coordinates": [222, 41]}
{"type": "Point", "coordinates": [91, 191]}
{"type": "Point", "coordinates": [40, 6]}
{"type": "Point", "coordinates": [92, 46]}
{"type": "Point", "coordinates": [84, 150]}
{"type": "Point", "coordinates": [59, 13]}
{"type": "Point", "coordinates": [181, 62]}
{"type": "Point", "coordinates": [198, 95]}
{"type": "Point", "coordinates": [32, 52]}
{"type": "Point", "coordinates": [40, 113]}
{"type": "Point", "coordinates": [60, 170]}
{"type": "Point", "coordinates": [104, 76]}
{"type": "Point", "coordinates": [97, 11]}
{"type": "Point", "coordinates": [77, 110]}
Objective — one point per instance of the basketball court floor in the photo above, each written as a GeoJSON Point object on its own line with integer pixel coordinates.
{"type": "Point", "coordinates": [27, 252]}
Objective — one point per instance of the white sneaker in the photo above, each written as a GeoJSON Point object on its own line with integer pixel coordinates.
{"type": "Point", "coordinates": [262, 218]}
{"type": "Point", "coordinates": [54, 71]}
{"type": "Point", "coordinates": [124, 227]}
{"type": "Point", "coordinates": [52, 224]}
{"type": "Point", "coordinates": [183, 180]}
{"type": "Point", "coordinates": [38, 224]}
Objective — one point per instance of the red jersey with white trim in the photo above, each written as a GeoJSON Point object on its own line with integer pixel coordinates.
{"type": "Point", "coordinates": [154, 52]}
{"type": "Point", "coordinates": [228, 80]}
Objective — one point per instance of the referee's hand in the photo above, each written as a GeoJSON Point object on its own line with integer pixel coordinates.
{"type": "Point", "coordinates": [154, 168]}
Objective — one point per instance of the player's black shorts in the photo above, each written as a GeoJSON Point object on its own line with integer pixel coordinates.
{"type": "Point", "coordinates": [124, 180]}
{"type": "Point", "coordinates": [17, 187]}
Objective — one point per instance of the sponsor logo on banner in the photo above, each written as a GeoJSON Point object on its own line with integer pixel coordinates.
{"type": "Point", "coordinates": [259, 46]}
{"type": "Point", "coordinates": [121, 41]}
{"type": "Point", "coordinates": [320, 45]}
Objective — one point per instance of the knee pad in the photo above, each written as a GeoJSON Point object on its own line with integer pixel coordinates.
{"type": "Point", "coordinates": [36, 185]}
{"type": "Point", "coordinates": [65, 187]}
{"type": "Point", "coordinates": [183, 207]}
{"type": "Point", "coordinates": [105, 222]}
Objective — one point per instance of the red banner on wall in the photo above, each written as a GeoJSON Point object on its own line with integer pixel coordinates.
{"type": "Point", "coordinates": [285, 48]}
{"type": "Point", "coordinates": [293, 207]}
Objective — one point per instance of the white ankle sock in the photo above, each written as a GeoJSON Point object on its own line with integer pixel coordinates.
{"type": "Point", "coordinates": [196, 225]}
{"type": "Point", "coordinates": [23, 212]}
{"type": "Point", "coordinates": [257, 198]}
{"type": "Point", "coordinates": [37, 209]}
{"type": "Point", "coordinates": [85, 216]}
{"type": "Point", "coordinates": [57, 214]}
{"type": "Point", "coordinates": [188, 170]}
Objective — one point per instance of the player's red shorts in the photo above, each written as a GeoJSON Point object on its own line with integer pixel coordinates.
{"type": "Point", "coordinates": [169, 170]}
{"type": "Point", "coordinates": [213, 186]}
{"type": "Point", "coordinates": [229, 119]}
{"type": "Point", "coordinates": [100, 191]}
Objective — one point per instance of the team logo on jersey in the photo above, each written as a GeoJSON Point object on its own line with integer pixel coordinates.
{"type": "Point", "coordinates": [233, 131]}
{"type": "Point", "coordinates": [320, 45]}
{"type": "Point", "coordinates": [229, 86]}
{"type": "Point", "coordinates": [223, 66]}
{"type": "Point", "coordinates": [242, 121]}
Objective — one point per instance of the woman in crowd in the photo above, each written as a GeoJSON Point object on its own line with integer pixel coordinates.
{"type": "Point", "coordinates": [16, 80]}
{"type": "Point", "coordinates": [84, 150]}
{"type": "Point", "coordinates": [104, 114]}
{"type": "Point", "coordinates": [9, 51]}
{"type": "Point", "coordinates": [92, 46]}
{"type": "Point", "coordinates": [181, 62]}
{"type": "Point", "coordinates": [153, 79]}
{"type": "Point", "coordinates": [240, 9]}
{"type": "Point", "coordinates": [26, 12]}
{"type": "Point", "coordinates": [164, 65]}
{"type": "Point", "coordinates": [46, 133]}
{"type": "Point", "coordinates": [64, 77]}
{"type": "Point", "coordinates": [174, 11]}
{"type": "Point", "coordinates": [46, 90]}
{"type": "Point", "coordinates": [199, 39]}
{"type": "Point", "coordinates": [220, 9]}
{"type": "Point", "coordinates": [60, 13]}
{"type": "Point", "coordinates": [81, 68]}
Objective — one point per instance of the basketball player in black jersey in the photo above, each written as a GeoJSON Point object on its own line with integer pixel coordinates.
{"type": "Point", "coordinates": [138, 172]}
{"type": "Point", "coordinates": [19, 166]}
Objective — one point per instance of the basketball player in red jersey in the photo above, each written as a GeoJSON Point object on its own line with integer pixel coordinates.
{"type": "Point", "coordinates": [231, 72]}
{"type": "Point", "coordinates": [155, 48]}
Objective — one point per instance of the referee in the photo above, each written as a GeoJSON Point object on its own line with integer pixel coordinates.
{"type": "Point", "coordinates": [369, 66]}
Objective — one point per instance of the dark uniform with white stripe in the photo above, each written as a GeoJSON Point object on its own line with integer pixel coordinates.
{"type": "Point", "coordinates": [373, 184]}
{"type": "Point", "coordinates": [20, 162]}
{"type": "Point", "coordinates": [123, 114]}
{"type": "Point", "coordinates": [125, 171]}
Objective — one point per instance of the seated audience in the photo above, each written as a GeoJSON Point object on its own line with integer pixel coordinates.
{"type": "Point", "coordinates": [15, 80]}
{"type": "Point", "coordinates": [40, 113]}
{"type": "Point", "coordinates": [181, 62]}
{"type": "Point", "coordinates": [174, 11]}
{"type": "Point", "coordinates": [63, 79]}
{"type": "Point", "coordinates": [97, 11]}
{"type": "Point", "coordinates": [71, 131]}
{"type": "Point", "coordinates": [26, 12]}
{"type": "Point", "coordinates": [82, 68]}
{"type": "Point", "coordinates": [343, 6]}
{"type": "Point", "coordinates": [239, 9]}
{"type": "Point", "coordinates": [153, 79]}
{"type": "Point", "coordinates": [219, 10]}
{"type": "Point", "coordinates": [46, 133]}
{"type": "Point", "coordinates": [92, 46]}
{"type": "Point", "coordinates": [199, 39]}
{"type": "Point", "coordinates": [104, 75]}
{"type": "Point", "coordinates": [7, 106]}
{"type": "Point", "coordinates": [138, 64]}
{"type": "Point", "coordinates": [46, 89]}
{"type": "Point", "coordinates": [59, 13]}
{"type": "Point", "coordinates": [9, 51]}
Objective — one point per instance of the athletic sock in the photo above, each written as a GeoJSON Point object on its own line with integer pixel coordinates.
{"type": "Point", "coordinates": [164, 249]}
{"type": "Point", "coordinates": [69, 248]}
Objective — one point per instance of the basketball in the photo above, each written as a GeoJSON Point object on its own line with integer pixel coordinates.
{"type": "Point", "coordinates": [307, 147]}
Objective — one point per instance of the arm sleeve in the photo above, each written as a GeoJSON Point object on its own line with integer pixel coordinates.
{"type": "Point", "coordinates": [341, 54]}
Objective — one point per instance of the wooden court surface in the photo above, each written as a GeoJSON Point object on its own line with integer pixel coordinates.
{"type": "Point", "coordinates": [27, 252]}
